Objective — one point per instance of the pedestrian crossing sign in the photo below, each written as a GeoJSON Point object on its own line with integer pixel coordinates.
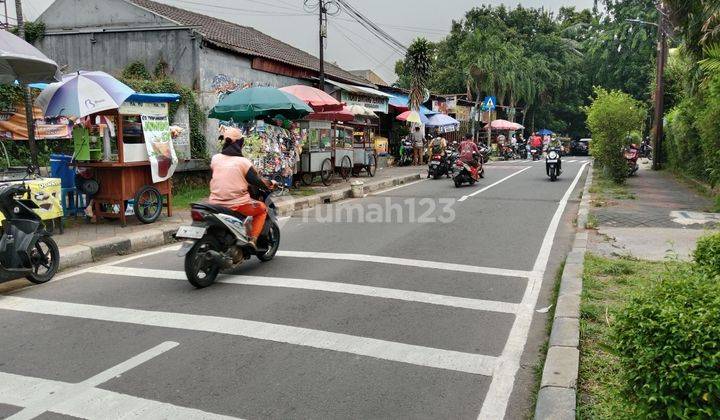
{"type": "Point", "coordinates": [489, 103]}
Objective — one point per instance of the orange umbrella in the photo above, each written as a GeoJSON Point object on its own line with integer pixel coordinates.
{"type": "Point", "coordinates": [316, 98]}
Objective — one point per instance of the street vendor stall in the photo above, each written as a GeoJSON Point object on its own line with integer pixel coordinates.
{"type": "Point", "coordinates": [364, 153]}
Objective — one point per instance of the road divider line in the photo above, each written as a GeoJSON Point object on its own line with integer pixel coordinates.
{"type": "Point", "coordinates": [406, 262]}
{"type": "Point", "coordinates": [497, 397]}
{"type": "Point", "coordinates": [325, 286]}
{"type": "Point", "coordinates": [465, 197]}
{"type": "Point", "coordinates": [380, 349]}
{"type": "Point", "coordinates": [92, 403]}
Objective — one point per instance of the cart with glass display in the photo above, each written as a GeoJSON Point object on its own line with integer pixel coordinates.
{"type": "Point", "coordinates": [364, 154]}
{"type": "Point", "coordinates": [113, 161]}
{"type": "Point", "coordinates": [343, 152]}
{"type": "Point", "coordinates": [316, 159]}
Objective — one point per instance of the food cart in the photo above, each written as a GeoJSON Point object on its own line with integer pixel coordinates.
{"type": "Point", "coordinates": [316, 158]}
{"type": "Point", "coordinates": [364, 153]}
{"type": "Point", "coordinates": [112, 149]}
{"type": "Point", "coordinates": [343, 150]}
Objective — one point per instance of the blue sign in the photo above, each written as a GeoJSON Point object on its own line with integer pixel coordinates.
{"type": "Point", "coordinates": [489, 103]}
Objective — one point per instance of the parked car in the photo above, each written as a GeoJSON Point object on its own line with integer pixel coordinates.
{"type": "Point", "coordinates": [580, 147]}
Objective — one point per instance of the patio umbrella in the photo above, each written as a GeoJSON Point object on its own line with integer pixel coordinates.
{"type": "Point", "coordinates": [259, 102]}
{"type": "Point", "coordinates": [505, 125]}
{"type": "Point", "coordinates": [342, 115]}
{"type": "Point", "coordinates": [22, 62]}
{"type": "Point", "coordinates": [316, 98]}
{"type": "Point", "coordinates": [441, 120]}
{"type": "Point", "coordinates": [413, 117]}
{"type": "Point", "coordinates": [545, 132]}
{"type": "Point", "coordinates": [361, 111]}
{"type": "Point", "coordinates": [83, 93]}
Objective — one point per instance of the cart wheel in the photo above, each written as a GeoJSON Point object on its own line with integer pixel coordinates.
{"type": "Point", "coordinates": [148, 204]}
{"type": "Point", "coordinates": [345, 167]}
{"type": "Point", "coordinates": [372, 165]}
{"type": "Point", "coordinates": [326, 172]}
{"type": "Point", "coordinates": [307, 178]}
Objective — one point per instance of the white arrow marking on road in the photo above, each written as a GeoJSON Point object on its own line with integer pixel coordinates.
{"type": "Point", "coordinates": [465, 197]}
{"type": "Point", "coordinates": [380, 349]}
{"type": "Point", "coordinates": [408, 262]}
{"type": "Point", "coordinates": [325, 286]}
{"type": "Point", "coordinates": [497, 397]}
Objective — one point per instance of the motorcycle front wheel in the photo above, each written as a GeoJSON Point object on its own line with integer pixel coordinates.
{"type": "Point", "coordinates": [553, 174]}
{"type": "Point", "coordinates": [273, 245]}
{"type": "Point", "coordinates": [45, 260]}
{"type": "Point", "coordinates": [199, 269]}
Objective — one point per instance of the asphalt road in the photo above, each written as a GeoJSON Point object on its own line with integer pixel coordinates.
{"type": "Point", "coordinates": [416, 302]}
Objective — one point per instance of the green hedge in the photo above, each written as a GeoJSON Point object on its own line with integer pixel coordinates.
{"type": "Point", "coordinates": [668, 342]}
{"type": "Point", "coordinates": [707, 254]}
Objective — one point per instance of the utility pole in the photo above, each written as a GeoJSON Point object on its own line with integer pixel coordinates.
{"type": "Point", "coordinates": [323, 34]}
{"type": "Point", "coordinates": [28, 97]}
{"type": "Point", "coordinates": [662, 52]}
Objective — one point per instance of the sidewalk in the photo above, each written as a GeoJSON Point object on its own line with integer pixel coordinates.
{"type": "Point", "coordinates": [84, 242]}
{"type": "Point", "coordinates": [666, 217]}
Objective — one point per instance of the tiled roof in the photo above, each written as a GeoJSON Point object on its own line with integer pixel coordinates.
{"type": "Point", "coordinates": [245, 40]}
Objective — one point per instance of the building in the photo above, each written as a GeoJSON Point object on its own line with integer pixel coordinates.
{"type": "Point", "coordinates": [210, 55]}
{"type": "Point", "coordinates": [370, 76]}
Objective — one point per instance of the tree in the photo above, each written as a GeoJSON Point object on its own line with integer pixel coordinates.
{"type": "Point", "coordinates": [418, 62]}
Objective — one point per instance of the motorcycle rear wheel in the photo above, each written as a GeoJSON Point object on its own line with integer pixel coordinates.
{"type": "Point", "coordinates": [45, 257]}
{"type": "Point", "coordinates": [200, 271]}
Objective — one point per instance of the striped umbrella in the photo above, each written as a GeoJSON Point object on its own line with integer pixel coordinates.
{"type": "Point", "coordinates": [83, 93]}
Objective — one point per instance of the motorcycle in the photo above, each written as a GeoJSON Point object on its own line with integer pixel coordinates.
{"type": "Point", "coordinates": [217, 239]}
{"type": "Point", "coordinates": [521, 150]}
{"type": "Point", "coordinates": [535, 152]}
{"type": "Point", "coordinates": [646, 150]}
{"type": "Point", "coordinates": [438, 166]}
{"type": "Point", "coordinates": [465, 173]}
{"type": "Point", "coordinates": [631, 155]}
{"type": "Point", "coordinates": [485, 152]}
{"type": "Point", "coordinates": [553, 163]}
{"type": "Point", "coordinates": [406, 152]}
{"type": "Point", "coordinates": [506, 152]}
{"type": "Point", "coordinates": [26, 248]}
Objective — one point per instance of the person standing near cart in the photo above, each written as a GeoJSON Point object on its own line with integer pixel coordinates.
{"type": "Point", "coordinates": [418, 145]}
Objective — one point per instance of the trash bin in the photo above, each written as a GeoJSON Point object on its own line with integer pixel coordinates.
{"type": "Point", "coordinates": [60, 168]}
{"type": "Point", "coordinates": [357, 189]}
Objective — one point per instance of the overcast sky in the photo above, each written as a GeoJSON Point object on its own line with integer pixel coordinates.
{"type": "Point", "coordinates": [349, 44]}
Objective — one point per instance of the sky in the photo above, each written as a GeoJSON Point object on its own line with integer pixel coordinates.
{"type": "Point", "coordinates": [348, 44]}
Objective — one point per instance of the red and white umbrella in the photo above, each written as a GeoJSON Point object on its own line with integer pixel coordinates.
{"type": "Point", "coordinates": [316, 98]}
{"type": "Point", "coordinates": [343, 115]}
{"type": "Point", "coordinates": [505, 125]}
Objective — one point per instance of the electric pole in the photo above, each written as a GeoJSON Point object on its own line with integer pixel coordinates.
{"type": "Point", "coordinates": [662, 52]}
{"type": "Point", "coordinates": [28, 97]}
{"type": "Point", "coordinates": [323, 34]}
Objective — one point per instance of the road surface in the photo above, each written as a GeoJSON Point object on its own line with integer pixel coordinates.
{"type": "Point", "coordinates": [424, 301]}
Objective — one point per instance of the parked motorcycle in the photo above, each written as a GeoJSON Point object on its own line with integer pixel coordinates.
{"type": "Point", "coordinates": [631, 155]}
{"type": "Point", "coordinates": [506, 152]}
{"type": "Point", "coordinates": [406, 152]}
{"type": "Point", "coordinates": [553, 163]}
{"type": "Point", "coordinates": [646, 150]}
{"type": "Point", "coordinates": [467, 174]}
{"type": "Point", "coordinates": [485, 152]}
{"type": "Point", "coordinates": [438, 166]}
{"type": "Point", "coordinates": [26, 248]}
{"type": "Point", "coordinates": [521, 150]}
{"type": "Point", "coordinates": [217, 239]}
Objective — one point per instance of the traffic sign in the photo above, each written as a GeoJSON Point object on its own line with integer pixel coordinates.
{"type": "Point", "coordinates": [489, 103]}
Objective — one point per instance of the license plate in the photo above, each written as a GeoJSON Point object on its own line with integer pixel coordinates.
{"type": "Point", "coordinates": [435, 162]}
{"type": "Point", "coordinates": [552, 161]}
{"type": "Point", "coordinates": [190, 232]}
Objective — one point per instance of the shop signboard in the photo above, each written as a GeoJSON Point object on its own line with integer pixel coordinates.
{"type": "Point", "coordinates": [375, 103]}
{"type": "Point", "coordinates": [144, 108]}
{"type": "Point", "coordinates": [163, 161]}
{"type": "Point", "coordinates": [13, 125]}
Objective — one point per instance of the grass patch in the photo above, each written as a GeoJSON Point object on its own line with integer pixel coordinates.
{"type": "Point", "coordinates": [186, 195]}
{"type": "Point", "coordinates": [607, 285]}
{"type": "Point", "coordinates": [604, 190]}
{"type": "Point", "coordinates": [592, 222]}
{"type": "Point", "coordinates": [302, 191]}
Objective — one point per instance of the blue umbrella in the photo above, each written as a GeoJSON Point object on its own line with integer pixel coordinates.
{"type": "Point", "coordinates": [83, 93]}
{"type": "Point", "coordinates": [441, 120]}
{"type": "Point", "coordinates": [545, 132]}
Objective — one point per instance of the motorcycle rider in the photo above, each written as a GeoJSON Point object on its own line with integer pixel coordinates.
{"type": "Point", "coordinates": [555, 143]}
{"type": "Point", "coordinates": [469, 151]}
{"type": "Point", "coordinates": [437, 146]}
{"type": "Point", "coordinates": [536, 142]}
{"type": "Point", "coordinates": [232, 175]}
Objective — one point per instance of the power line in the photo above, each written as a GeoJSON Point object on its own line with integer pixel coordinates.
{"type": "Point", "coordinates": [370, 25]}
{"type": "Point", "coordinates": [360, 49]}
{"type": "Point", "coordinates": [254, 12]}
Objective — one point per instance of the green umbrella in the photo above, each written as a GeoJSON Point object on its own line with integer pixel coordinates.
{"type": "Point", "coordinates": [259, 102]}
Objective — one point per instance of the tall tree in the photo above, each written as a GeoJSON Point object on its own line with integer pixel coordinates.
{"type": "Point", "coordinates": [418, 62]}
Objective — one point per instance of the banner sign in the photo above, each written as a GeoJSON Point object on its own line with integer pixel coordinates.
{"type": "Point", "coordinates": [375, 103]}
{"type": "Point", "coordinates": [144, 108]}
{"type": "Point", "coordinates": [462, 113]}
{"type": "Point", "coordinates": [13, 125]}
{"type": "Point", "coordinates": [163, 161]}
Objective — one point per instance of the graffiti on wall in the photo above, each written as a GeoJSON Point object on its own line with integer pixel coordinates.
{"type": "Point", "coordinates": [222, 84]}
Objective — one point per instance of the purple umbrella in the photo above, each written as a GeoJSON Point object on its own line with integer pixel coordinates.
{"type": "Point", "coordinates": [83, 93]}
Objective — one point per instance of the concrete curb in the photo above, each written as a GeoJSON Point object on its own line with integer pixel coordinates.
{"type": "Point", "coordinates": [558, 386]}
{"type": "Point", "coordinates": [93, 251]}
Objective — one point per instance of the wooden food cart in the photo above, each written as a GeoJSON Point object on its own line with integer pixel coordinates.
{"type": "Point", "coordinates": [123, 173]}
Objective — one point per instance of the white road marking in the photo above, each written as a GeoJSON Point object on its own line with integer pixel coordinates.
{"type": "Point", "coordinates": [68, 394]}
{"type": "Point", "coordinates": [399, 186]}
{"type": "Point", "coordinates": [496, 400]}
{"type": "Point", "coordinates": [325, 286]}
{"type": "Point", "coordinates": [406, 262]}
{"type": "Point", "coordinates": [465, 197]}
{"type": "Point", "coordinates": [572, 161]}
{"type": "Point", "coordinates": [380, 349]}
{"type": "Point", "coordinates": [92, 403]}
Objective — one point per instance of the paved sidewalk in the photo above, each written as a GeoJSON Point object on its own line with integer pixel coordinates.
{"type": "Point", "coordinates": [665, 219]}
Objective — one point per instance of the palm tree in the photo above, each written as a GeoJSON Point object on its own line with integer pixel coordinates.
{"type": "Point", "coordinates": [418, 61]}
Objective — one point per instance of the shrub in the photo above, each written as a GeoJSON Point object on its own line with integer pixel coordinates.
{"type": "Point", "coordinates": [667, 342]}
{"type": "Point", "coordinates": [707, 253]}
{"type": "Point", "coordinates": [611, 117]}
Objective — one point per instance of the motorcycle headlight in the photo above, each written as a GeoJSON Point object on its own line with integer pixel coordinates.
{"type": "Point", "coordinates": [553, 155]}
